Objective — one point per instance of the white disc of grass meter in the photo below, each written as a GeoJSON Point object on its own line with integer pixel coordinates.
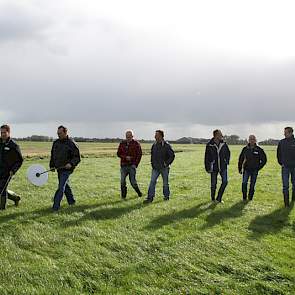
{"type": "Point", "coordinates": [32, 175]}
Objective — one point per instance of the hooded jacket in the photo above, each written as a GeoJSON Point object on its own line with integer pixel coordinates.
{"type": "Point", "coordinates": [217, 157]}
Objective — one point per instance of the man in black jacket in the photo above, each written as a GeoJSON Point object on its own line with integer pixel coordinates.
{"type": "Point", "coordinates": [286, 158]}
{"type": "Point", "coordinates": [162, 156]}
{"type": "Point", "coordinates": [217, 156]}
{"type": "Point", "coordinates": [65, 156]}
{"type": "Point", "coordinates": [251, 160]}
{"type": "Point", "coordinates": [10, 161]}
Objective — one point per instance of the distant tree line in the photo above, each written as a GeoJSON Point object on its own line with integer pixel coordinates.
{"type": "Point", "coordinates": [40, 138]}
{"type": "Point", "coordinates": [230, 139]}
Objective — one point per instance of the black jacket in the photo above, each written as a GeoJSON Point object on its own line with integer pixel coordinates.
{"type": "Point", "coordinates": [286, 152]}
{"type": "Point", "coordinates": [162, 155]}
{"type": "Point", "coordinates": [64, 152]}
{"type": "Point", "coordinates": [11, 158]}
{"type": "Point", "coordinates": [216, 157]}
{"type": "Point", "coordinates": [252, 158]}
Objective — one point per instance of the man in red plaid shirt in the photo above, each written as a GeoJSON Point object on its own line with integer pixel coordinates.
{"type": "Point", "coordinates": [130, 153]}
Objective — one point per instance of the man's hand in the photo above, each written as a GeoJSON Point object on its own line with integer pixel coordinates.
{"type": "Point", "coordinates": [133, 166]}
{"type": "Point", "coordinates": [68, 166]}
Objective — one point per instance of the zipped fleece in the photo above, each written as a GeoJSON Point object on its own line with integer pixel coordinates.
{"type": "Point", "coordinates": [252, 159]}
{"type": "Point", "coordinates": [286, 152]}
{"type": "Point", "coordinates": [11, 158]}
{"type": "Point", "coordinates": [63, 152]}
{"type": "Point", "coordinates": [217, 157]}
{"type": "Point", "coordinates": [162, 155]}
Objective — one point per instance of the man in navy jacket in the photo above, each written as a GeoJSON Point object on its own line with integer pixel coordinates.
{"type": "Point", "coordinates": [286, 158]}
{"type": "Point", "coordinates": [162, 156]}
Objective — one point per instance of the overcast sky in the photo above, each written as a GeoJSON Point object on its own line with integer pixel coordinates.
{"type": "Point", "coordinates": [188, 67]}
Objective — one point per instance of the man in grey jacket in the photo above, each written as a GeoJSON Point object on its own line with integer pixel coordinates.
{"type": "Point", "coordinates": [162, 156]}
{"type": "Point", "coordinates": [65, 156]}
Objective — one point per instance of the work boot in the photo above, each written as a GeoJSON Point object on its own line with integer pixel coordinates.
{"type": "Point", "coordinates": [244, 196]}
{"type": "Point", "coordinates": [251, 194]}
{"type": "Point", "coordinates": [213, 191]}
{"type": "Point", "coordinates": [2, 203]}
{"type": "Point", "coordinates": [148, 200]}
{"type": "Point", "coordinates": [14, 197]}
{"type": "Point", "coordinates": [139, 193]}
{"type": "Point", "coordinates": [286, 199]}
{"type": "Point", "coordinates": [123, 192]}
{"type": "Point", "coordinates": [244, 191]}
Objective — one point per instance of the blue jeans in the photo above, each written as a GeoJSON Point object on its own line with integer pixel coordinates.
{"type": "Point", "coordinates": [253, 177]}
{"type": "Point", "coordinates": [152, 187]}
{"type": "Point", "coordinates": [131, 171]}
{"type": "Point", "coordinates": [286, 173]}
{"type": "Point", "coordinates": [63, 188]}
{"type": "Point", "coordinates": [224, 182]}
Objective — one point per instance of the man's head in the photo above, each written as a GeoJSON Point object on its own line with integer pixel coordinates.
{"type": "Point", "coordinates": [159, 135]}
{"type": "Point", "coordinates": [288, 132]}
{"type": "Point", "coordinates": [129, 135]}
{"type": "Point", "coordinates": [252, 139]}
{"type": "Point", "coordinates": [217, 134]}
{"type": "Point", "coordinates": [62, 132]}
{"type": "Point", "coordinates": [5, 132]}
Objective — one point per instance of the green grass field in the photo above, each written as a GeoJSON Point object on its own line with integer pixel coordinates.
{"type": "Point", "coordinates": [104, 245]}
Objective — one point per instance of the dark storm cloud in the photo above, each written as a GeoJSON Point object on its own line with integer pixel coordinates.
{"type": "Point", "coordinates": [255, 94]}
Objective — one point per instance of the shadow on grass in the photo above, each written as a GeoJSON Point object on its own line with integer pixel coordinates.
{"type": "Point", "coordinates": [177, 216]}
{"type": "Point", "coordinates": [103, 214]}
{"type": "Point", "coordinates": [271, 223]}
{"type": "Point", "coordinates": [33, 215]}
{"type": "Point", "coordinates": [217, 217]}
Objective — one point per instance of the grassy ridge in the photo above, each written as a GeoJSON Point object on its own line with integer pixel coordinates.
{"type": "Point", "coordinates": [185, 246]}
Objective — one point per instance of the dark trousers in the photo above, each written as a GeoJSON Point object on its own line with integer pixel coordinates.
{"type": "Point", "coordinates": [253, 177]}
{"type": "Point", "coordinates": [63, 188]}
{"type": "Point", "coordinates": [4, 196]}
{"type": "Point", "coordinates": [131, 171]}
{"type": "Point", "coordinates": [288, 172]}
{"type": "Point", "coordinates": [224, 182]}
